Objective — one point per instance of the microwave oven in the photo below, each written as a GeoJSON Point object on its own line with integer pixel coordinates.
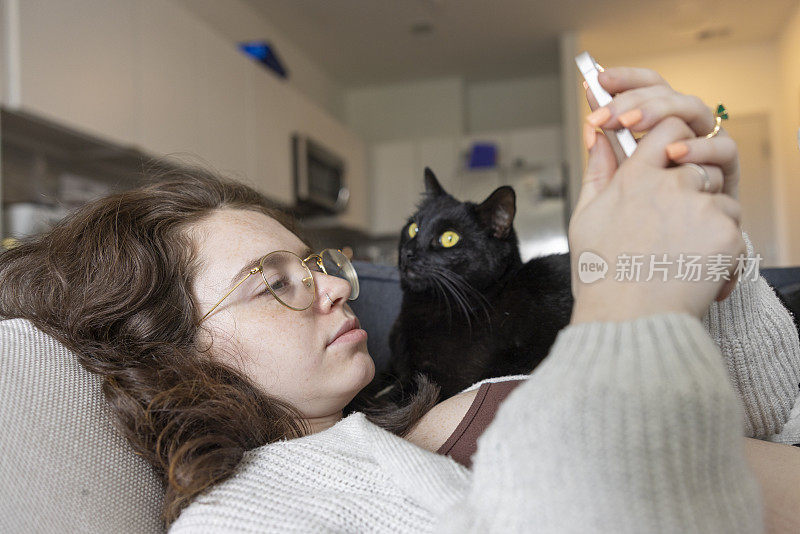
{"type": "Point", "coordinates": [319, 178]}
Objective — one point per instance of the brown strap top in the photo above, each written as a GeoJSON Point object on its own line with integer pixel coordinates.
{"type": "Point", "coordinates": [462, 443]}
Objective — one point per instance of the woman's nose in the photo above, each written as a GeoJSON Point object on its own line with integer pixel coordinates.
{"type": "Point", "coordinates": [337, 289]}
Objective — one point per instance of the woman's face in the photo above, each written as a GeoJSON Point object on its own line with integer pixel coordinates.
{"type": "Point", "coordinates": [287, 353]}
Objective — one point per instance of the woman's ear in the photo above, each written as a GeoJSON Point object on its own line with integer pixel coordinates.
{"type": "Point", "coordinates": [498, 210]}
{"type": "Point", "coordinates": [432, 185]}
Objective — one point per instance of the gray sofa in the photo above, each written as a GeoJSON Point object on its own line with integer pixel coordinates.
{"type": "Point", "coordinates": [64, 467]}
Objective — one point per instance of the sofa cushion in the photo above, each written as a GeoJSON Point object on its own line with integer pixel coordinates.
{"type": "Point", "coordinates": [64, 467]}
{"type": "Point", "coordinates": [377, 306]}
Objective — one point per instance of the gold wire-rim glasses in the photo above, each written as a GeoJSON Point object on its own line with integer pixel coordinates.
{"type": "Point", "coordinates": [353, 281]}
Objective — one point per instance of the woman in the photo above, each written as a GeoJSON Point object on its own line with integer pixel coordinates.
{"type": "Point", "coordinates": [236, 395]}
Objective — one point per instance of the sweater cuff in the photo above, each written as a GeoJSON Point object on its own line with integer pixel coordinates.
{"type": "Point", "coordinates": [760, 348]}
{"type": "Point", "coordinates": [636, 416]}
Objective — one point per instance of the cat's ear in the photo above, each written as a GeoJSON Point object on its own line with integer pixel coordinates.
{"type": "Point", "coordinates": [498, 210]}
{"type": "Point", "coordinates": [432, 185]}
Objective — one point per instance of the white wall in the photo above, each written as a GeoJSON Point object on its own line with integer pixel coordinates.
{"type": "Point", "coordinates": [516, 103]}
{"type": "Point", "coordinates": [743, 77]}
{"type": "Point", "coordinates": [786, 149]}
{"type": "Point", "coordinates": [236, 21]}
{"type": "Point", "coordinates": [406, 110]}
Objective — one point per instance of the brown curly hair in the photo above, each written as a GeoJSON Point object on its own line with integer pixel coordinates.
{"type": "Point", "coordinates": [114, 283]}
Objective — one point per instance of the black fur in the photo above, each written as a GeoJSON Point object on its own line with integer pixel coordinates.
{"type": "Point", "coordinates": [473, 310]}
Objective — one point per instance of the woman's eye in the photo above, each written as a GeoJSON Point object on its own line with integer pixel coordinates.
{"type": "Point", "coordinates": [449, 238]}
{"type": "Point", "coordinates": [413, 230]}
{"type": "Point", "coordinates": [278, 285]}
{"type": "Point", "coordinates": [265, 293]}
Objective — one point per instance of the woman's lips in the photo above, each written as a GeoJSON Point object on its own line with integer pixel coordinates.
{"type": "Point", "coordinates": [351, 336]}
{"type": "Point", "coordinates": [349, 332]}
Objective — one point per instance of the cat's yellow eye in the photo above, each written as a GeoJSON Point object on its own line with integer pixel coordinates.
{"type": "Point", "coordinates": [413, 229]}
{"type": "Point", "coordinates": [449, 238]}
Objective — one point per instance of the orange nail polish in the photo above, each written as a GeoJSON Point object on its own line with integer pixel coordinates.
{"type": "Point", "coordinates": [589, 136]}
{"type": "Point", "coordinates": [677, 150]}
{"type": "Point", "coordinates": [631, 117]}
{"type": "Point", "coordinates": [598, 116]}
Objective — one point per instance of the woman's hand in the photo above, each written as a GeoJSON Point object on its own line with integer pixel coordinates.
{"type": "Point", "coordinates": [645, 208]}
{"type": "Point", "coordinates": [642, 99]}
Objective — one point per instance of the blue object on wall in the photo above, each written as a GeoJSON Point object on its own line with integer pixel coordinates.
{"type": "Point", "coordinates": [482, 155]}
{"type": "Point", "coordinates": [264, 53]}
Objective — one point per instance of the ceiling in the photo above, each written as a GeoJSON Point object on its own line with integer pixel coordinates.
{"type": "Point", "coordinates": [365, 42]}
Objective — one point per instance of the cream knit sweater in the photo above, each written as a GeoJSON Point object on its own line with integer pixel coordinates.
{"type": "Point", "coordinates": [625, 427]}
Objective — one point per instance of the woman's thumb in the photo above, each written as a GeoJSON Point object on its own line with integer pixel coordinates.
{"type": "Point", "coordinates": [600, 166]}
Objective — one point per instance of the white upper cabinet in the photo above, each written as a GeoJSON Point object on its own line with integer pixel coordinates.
{"type": "Point", "coordinates": [78, 64]}
{"type": "Point", "coordinates": [396, 185]}
{"type": "Point", "coordinates": [441, 154]}
{"type": "Point", "coordinates": [149, 73]}
{"type": "Point", "coordinates": [534, 146]}
{"type": "Point", "coordinates": [396, 169]}
{"type": "Point", "coordinates": [477, 184]}
{"type": "Point", "coordinates": [223, 104]}
{"type": "Point", "coordinates": [277, 113]}
{"type": "Point", "coordinates": [270, 124]}
{"type": "Point", "coordinates": [169, 107]}
{"type": "Point", "coordinates": [312, 120]}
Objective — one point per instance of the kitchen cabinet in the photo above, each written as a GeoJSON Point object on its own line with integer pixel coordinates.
{"type": "Point", "coordinates": [148, 73]}
{"type": "Point", "coordinates": [477, 184]}
{"type": "Point", "coordinates": [541, 145]}
{"type": "Point", "coordinates": [223, 105]}
{"type": "Point", "coordinates": [78, 64]}
{"type": "Point", "coordinates": [311, 119]}
{"type": "Point", "coordinates": [396, 169]}
{"type": "Point", "coordinates": [442, 155]}
{"type": "Point", "coordinates": [169, 105]}
{"type": "Point", "coordinates": [396, 185]}
{"type": "Point", "coordinates": [277, 112]}
{"type": "Point", "coordinates": [269, 129]}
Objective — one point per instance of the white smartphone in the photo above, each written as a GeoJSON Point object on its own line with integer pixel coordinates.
{"type": "Point", "coordinates": [622, 140]}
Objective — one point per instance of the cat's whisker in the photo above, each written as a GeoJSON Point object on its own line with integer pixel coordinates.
{"type": "Point", "coordinates": [458, 295]}
{"type": "Point", "coordinates": [440, 289]}
{"type": "Point", "coordinates": [483, 302]}
{"type": "Point", "coordinates": [462, 290]}
{"type": "Point", "coordinates": [447, 294]}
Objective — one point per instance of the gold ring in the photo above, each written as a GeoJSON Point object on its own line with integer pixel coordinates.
{"type": "Point", "coordinates": [720, 115]}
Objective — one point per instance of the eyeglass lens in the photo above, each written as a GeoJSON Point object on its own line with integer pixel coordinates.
{"type": "Point", "coordinates": [337, 264]}
{"type": "Point", "coordinates": [293, 285]}
{"type": "Point", "coordinates": [289, 280]}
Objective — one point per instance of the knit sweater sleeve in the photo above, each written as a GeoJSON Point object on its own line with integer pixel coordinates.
{"type": "Point", "coordinates": [760, 347]}
{"type": "Point", "coordinates": [625, 427]}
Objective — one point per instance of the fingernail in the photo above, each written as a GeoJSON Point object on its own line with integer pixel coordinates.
{"type": "Point", "coordinates": [677, 150]}
{"type": "Point", "coordinates": [585, 85]}
{"type": "Point", "coordinates": [598, 116]}
{"type": "Point", "coordinates": [589, 136]}
{"type": "Point", "coordinates": [629, 118]}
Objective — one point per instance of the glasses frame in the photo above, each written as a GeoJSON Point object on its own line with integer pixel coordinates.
{"type": "Point", "coordinates": [260, 269]}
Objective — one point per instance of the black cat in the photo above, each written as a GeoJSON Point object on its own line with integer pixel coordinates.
{"type": "Point", "coordinates": [471, 308]}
